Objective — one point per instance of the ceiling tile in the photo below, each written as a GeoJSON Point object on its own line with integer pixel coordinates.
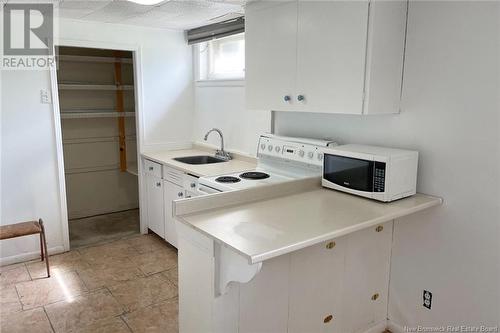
{"type": "Point", "coordinates": [117, 11]}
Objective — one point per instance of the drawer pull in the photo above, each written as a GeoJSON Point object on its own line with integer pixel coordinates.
{"type": "Point", "coordinates": [379, 228]}
{"type": "Point", "coordinates": [151, 168]}
{"type": "Point", "coordinates": [375, 297]}
{"type": "Point", "coordinates": [328, 319]}
{"type": "Point", "coordinates": [158, 184]}
{"type": "Point", "coordinates": [180, 194]}
{"type": "Point", "coordinates": [330, 245]}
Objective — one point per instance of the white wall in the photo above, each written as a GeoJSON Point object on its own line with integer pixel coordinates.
{"type": "Point", "coordinates": [223, 106]}
{"type": "Point", "coordinates": [451, 115]}
{"type": "Point", "coordinates": [29, 183]}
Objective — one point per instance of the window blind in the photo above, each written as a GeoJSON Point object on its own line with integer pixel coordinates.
{"type": "Point", "coordinates": [216, 30]}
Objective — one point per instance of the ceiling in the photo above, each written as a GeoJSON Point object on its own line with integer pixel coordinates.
{"type": "Point", "coordinates": [171, 14]}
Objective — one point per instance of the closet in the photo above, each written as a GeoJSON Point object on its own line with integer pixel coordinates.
{"type": "Point", "coordinates": [98, 123]}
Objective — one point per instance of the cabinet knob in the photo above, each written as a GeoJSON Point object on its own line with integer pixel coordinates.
{"type": "Point", "coordinates": [180, 194]}
{"type": "Point", "coordinates": [193, 185]}
{"type": "Point", "coordinates": [151, 168]}
{"type": "Point", "coordinates": [158, 184]}
{"type": "Point", "coordinates": [287, 98]}
{"type": "Point", "coordinates": [300, 98]}
{"type": "Point", "coordinates": [328, 319]}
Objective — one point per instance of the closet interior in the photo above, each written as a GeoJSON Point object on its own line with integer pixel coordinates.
{"type": "Point", "coordinates": [98, 123]}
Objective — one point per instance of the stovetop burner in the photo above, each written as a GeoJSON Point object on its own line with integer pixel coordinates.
{"type": "Point", "coordinates": [254, 175]}
{"type": "Point", "coordinates": [227, 179]}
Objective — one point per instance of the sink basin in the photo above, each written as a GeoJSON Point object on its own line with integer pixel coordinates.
{"type": "Point", "coordinates": [199, 159]}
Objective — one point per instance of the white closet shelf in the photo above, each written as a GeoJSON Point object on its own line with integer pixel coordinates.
{"type": "Point", "coordinates": [109, 114]}
{"type": "Point", "coordinates": [75, 58]}
{"type": "Point", "coordinates": [86, 86]}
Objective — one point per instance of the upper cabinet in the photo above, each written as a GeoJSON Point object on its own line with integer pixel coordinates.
{"type": "Point", "coordinates": [325, 56]}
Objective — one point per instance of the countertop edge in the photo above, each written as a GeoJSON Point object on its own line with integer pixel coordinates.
{"type": "Point", "coordinates": [258, 258]}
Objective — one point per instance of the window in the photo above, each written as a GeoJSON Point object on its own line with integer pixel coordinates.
{"type": "Point", "coordinates": [222, 59]}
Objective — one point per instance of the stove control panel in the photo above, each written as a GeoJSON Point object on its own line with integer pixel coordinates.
{"type": "Point", "coordinates": [290, 150]}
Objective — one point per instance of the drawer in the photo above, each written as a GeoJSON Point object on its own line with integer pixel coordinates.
{"type": "Point", "coordinates": [190, 183]}
{"type": "Point", "coordinates": [173, 175]}
{"type": "Point", "coordinates": [152, 168]}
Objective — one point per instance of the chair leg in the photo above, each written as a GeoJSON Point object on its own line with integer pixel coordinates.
{"type": "Point", "coordinates": [45, 247]}
{"type": "Point", "coordinates": [41, 246]}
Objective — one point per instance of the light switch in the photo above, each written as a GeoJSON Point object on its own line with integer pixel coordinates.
{"type": "Point", "coordinates": [45, 97]}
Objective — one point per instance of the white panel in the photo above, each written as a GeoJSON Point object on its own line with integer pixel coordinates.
{"type": "Point", "coordinates": [270, 56]}
{"type": "Point", "coordinates": [316, 282]}
{"type": "Point", "coordinates": [264, 300]}
{"type": "Point", "coordinates": [171, 192]}
{"type": "Point", "coordinates": [331, 55]}
{"type": "Point", "coordinates": [92, 193]}
{"type": "Point", "coordinates": [196, 284]}
{"type": "Point", "coordinates": [154, 203]}
{"type": "Point", "coordinates": [386, 38]}
{"type": "Point", "coordinates": [367, 268]}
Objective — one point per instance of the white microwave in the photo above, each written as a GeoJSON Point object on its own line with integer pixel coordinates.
{"type": "Point", "coordinates": [379, 173]}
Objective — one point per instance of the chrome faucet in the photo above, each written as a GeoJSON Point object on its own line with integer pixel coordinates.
{"type": "Point", "coordinates": [221, 153]}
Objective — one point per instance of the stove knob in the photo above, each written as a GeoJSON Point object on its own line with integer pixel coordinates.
{"type": "Point", "coordinates": [270, 147]}
{"type": "Point", "coordinates": [262, 146]}
{"type": "Point", "coordinates": [277, 148]}
{"type": "Point", "coordinates": [301, 153]}
{"type": "Point", "coordinates": [320, 157]}
{"type": "Point", "coordinates": [310, 154]}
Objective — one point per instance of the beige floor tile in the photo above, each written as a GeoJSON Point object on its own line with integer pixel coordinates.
{"type": "Point", "coordinates": [161, 317]}
{"type": "Point", "coordinates": [9, 267]}
{"type": "Point", "coordinates": [102, 254]}
{"type": "Point", "coordinates": [157, 261]}
{"type": "Point", "coordinates": [173, 275]}
{"type": "Point", "coordinates": [83, 311]}
{"type": "Point", "coordinates": [108, 325]}
{"type": "Point", "coordinates": [26, 322]}
{"type": "Point", "coordinates": [69, 261]}
{"type": "Point", "coordinates": [14, 275]}
{"type": "Point", "coordinates": [147, 243]}
{"type": "Point", "coordinates": [110, 273]}
{"type": "Point", "coordinates": [140, 293]}
{"type": "Point", "coordinates": [60, 286]}
{"type": "Point", "coordinates": [9, 301]}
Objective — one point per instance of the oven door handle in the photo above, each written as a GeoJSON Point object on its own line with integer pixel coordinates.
{"type": "Point", "coordinates": [203, 189]}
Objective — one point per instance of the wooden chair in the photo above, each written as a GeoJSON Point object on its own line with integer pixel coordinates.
{"type": "Point", "coordinates": [25, 229]}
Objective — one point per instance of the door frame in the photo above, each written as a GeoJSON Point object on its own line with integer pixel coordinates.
{"type": "Point", "coordinates": [139, 124]}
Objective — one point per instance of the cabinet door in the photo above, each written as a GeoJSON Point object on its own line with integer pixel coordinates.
{"type": "Point", "coordinates": [171, 192]}
{"type": "Point", "coordinates": [154, 196]}
{"type": "Point", "coordinates": [316, 282]}
{"type": "Point", "coordinates": [270, 39]}
{"type": "Point", "coordinates": [367, 269]}
{"type": "Point", "coordinates": [331, 49]}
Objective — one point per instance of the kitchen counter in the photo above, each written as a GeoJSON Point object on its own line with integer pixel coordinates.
{"type": "Point", "coordinates": [271, 227]}
{"type": "Point", "coordinates": [237, 164]}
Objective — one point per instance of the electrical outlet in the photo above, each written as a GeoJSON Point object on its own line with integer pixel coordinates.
{"type": "Point", "coordinates": [45, 97]}
{"type": "Point", "coordinates": [427, 299]}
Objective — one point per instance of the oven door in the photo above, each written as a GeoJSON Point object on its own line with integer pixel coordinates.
{"type": "Point", "coordinates": [353, 175]}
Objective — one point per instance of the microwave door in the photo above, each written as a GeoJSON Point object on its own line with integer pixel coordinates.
{"type": "Point", "coordinates": [348, 172]}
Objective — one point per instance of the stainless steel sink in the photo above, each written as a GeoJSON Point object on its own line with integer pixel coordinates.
{"type": "Point", "coordinates": [199, 159]}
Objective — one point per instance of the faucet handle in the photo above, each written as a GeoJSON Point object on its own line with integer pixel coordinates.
{"type": "Point", "coordinates": [223, 155]}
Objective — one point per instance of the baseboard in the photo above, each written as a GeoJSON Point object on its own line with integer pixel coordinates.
{"type": "Point", "coordinates": [378, 328]}
{"type": "Point", "coordinates": [28, 256]}
{"type": "Point", "coordinates": [394, 328]}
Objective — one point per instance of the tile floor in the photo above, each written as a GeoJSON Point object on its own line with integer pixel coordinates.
{"type": "Point", "coordinates": [104, 228]}
{"type": "Point", "coordinates": [128, 285]}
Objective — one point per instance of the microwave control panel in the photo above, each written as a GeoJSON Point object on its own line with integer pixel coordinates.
{"type": "Point", "coordinates": [379, 177]}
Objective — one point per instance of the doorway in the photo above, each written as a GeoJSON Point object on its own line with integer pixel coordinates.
{"type": "Point", "coordinates": [97, 109]}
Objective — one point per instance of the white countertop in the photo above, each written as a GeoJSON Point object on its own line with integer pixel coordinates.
{"type": "Point", "coordinates": [167, 158]}
{"type": "Point", "coordinates": [262, 230]}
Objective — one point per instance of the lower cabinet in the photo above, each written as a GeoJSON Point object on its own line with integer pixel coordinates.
{"type": "Point", "coordinates": [154, 204]}
{"type": "Point", "coordinates": [171, 192]}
